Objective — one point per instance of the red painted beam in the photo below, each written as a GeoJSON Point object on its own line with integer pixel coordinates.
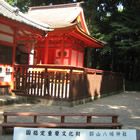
{"type": "Point", "coordinates": [6, 43]}
{"type": "Point", "coordinates": [90, 43]}
{"type": "Point", "coordinates": [6, 33]}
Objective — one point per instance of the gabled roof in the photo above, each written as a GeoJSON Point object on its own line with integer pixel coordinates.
{"type": "Point", "coordinates": [66, 18]}
{"type": "Point", "coordinates": [58, 16]}
{"type": "Point", "coordinates": [13, 13]}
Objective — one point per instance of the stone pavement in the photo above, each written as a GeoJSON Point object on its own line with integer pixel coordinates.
{"type": "Point", "coordinates": [8, 99]}
{"type": "Point", "coordinates": [126, 105]}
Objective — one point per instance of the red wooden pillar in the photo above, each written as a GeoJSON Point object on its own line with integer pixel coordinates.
{"type": "Point", "coordinates": [62, 52]}
{"type": "Point", "coordinates": [14, 56]}
{"type": "Point", "coordinates": [70, 54]}
{"type": "Point", "coordinates": [14, 46]}
{"type": "Point", "coordinates": [46, 50]}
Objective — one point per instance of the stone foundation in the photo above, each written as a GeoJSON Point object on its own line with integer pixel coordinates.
{"type": "Point", "coordinates": [36, 100]}
{"type": "Point", "coordinates": [4, 90]}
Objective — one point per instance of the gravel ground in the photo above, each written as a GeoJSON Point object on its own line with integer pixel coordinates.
{"type": "Point", "coordinates": [126, 105]}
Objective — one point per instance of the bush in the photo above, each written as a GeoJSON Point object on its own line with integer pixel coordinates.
{"type": "Point", "coordinates": [132, 85]}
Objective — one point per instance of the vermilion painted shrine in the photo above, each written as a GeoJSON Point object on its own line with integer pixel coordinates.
{"type": "Point", "coordinates": [66, 44]}
{"type": "Point", "coordinates": [42, 54]}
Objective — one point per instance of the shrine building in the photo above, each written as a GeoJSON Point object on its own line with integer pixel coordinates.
{"type": "Point", "coordinates": [18, 33]}
{"type": "Point", "coordinates": [42, 55]}
{"type": "Point", "coordinates": [66, 44]}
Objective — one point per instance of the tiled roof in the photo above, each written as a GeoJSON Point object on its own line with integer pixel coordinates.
{"type": "Point", "coordinates": [13, 13]}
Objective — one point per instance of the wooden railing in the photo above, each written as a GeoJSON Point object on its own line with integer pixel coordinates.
{"type": "Point", "coordinates": [64, 82]}
{"type": "Point", "coordinates": [64, 120]}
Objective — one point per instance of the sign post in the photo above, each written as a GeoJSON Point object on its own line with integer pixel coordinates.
{"type": "Point", "coordinates": [73, 134]}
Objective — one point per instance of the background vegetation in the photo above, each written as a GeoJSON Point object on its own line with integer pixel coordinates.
{"type": "Point", "coordinates": [116, 22]}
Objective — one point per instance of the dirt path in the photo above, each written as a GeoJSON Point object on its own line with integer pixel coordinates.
{"type": "Point", "coordinates": [127, 105]}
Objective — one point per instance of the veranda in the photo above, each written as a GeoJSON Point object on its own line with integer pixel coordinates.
{"type": "Point", "coordinates": [67, 83]}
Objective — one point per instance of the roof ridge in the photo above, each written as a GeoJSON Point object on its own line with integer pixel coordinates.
{"type": "Point", "coordinates": [77, 4]}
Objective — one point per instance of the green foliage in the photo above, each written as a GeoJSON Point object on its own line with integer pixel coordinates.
{"type": "Point", "coordinates": [11, 2]}
{"type": "Point", "coordinates": [132, 86]}
{"type": "Point", "coordinates": [122, 33]}
{"type": "Point", "coordinates": [24, 4]}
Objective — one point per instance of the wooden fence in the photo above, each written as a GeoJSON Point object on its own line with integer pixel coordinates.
{"type": "Point", "coordinates": [64, 82]}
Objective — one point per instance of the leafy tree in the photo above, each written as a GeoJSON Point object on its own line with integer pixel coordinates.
{"type": "Point", "coordinates": [92, 16]}
{"type": "Point", "coordinates": [127, 41]}
{"type": "Point", "coordinates": [24, 4]}
{"type": "Point", "coordinates": [120, 29]}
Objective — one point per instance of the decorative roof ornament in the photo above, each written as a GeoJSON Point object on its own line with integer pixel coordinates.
{"type": "Point", "coordinates": [16, 10]}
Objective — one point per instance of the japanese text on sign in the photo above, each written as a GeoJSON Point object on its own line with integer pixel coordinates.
{"type": "Point", "coordinates": [73, 134]}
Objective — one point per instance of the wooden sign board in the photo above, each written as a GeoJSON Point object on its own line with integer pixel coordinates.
{"type": "Point", "coordinates": [73, 134]}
